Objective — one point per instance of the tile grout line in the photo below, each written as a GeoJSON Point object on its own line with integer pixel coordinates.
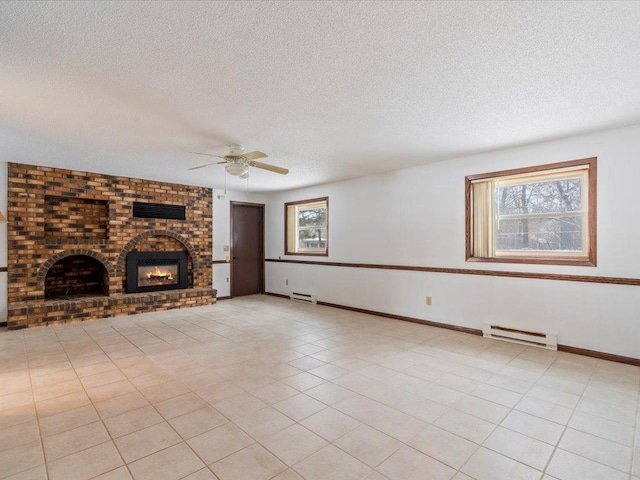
{"type": "Point", "coordinates": [92, 403]}
{"type": "Point", "coordinates": [564, 429]}
{"type": "Point", "coordinates": [634, 444]}
{"type": "Point", "coordinates": [127, 465]}
{"type": "Point", "coordinates": [35, 409]}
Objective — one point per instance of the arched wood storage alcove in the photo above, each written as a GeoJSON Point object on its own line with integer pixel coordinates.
{"type": "Point", "coordinates": [76, 276]}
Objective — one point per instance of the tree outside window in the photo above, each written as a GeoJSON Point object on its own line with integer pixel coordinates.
{"type": "Point", "coordinates": [307, 227]}
{"type": "Point", "coordinates": [540, 214]}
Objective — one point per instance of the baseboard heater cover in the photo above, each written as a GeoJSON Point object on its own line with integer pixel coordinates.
{"type": "Point", "coordinates": [303, 297]}
{"type": "Point", "coordinates": [548, 341]}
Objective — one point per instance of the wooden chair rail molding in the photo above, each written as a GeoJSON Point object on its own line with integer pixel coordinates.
{"type": "Point", "coordinates": [468, 271]}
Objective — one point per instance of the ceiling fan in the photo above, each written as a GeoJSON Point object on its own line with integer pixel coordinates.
{"type": "Point", "coordinates": [237, 163]}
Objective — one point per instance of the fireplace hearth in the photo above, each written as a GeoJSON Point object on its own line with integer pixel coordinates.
{"type": "Point", "coordinates": [155, 271]}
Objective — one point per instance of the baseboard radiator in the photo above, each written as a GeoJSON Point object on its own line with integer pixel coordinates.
{"type": "Point", "coordinates": [514, 335]}
{"type": "Point", "coordinates": [303, 297]}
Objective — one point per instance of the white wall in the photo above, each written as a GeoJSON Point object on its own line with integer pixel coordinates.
{"type": "Point", "coordinates": [222, 234]}
{"type": "Point", "coordinates": [416, 217]}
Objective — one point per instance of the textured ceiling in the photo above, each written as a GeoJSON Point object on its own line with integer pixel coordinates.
{"type": "Point", "coordinates": [330, 90]}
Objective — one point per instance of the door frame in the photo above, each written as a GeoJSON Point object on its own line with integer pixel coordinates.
{"type": "Point", "coordinates": [231, 246]}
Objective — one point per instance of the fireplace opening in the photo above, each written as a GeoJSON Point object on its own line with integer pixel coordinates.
{"type": "Point", "coordinates": [76, 276]}
{"type": "Point", "coordinates": [153, 271]}
{"type": "Point", "coordinates": [157, 275]}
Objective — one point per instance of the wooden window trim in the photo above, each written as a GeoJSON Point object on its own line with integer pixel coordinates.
{"type": "Point", "coordinates": [286, 228]}
{"type": "Point", "coordinates": [591, 258]}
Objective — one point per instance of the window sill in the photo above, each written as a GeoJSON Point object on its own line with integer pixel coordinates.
{"type": "Point", "coordinates": [577, 262]}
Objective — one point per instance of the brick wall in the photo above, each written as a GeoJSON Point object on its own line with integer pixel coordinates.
{"type": "Point", "coordinates": [54, 213]}
{"type": "Point", "coordinates": [75, 218]}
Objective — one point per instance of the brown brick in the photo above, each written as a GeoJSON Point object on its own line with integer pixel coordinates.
{"type": "Point", "coordinates": [54, 213]}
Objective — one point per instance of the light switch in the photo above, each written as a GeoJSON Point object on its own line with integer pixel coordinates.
{"type": "Point", "coordinates": [225, 248]}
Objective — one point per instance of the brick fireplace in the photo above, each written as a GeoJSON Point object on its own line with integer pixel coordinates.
{"type": "Point", "coordinates": [72, 234]}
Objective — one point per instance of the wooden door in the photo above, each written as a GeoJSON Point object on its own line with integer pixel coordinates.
{"type": "Point", "coordinates": [247, 248]}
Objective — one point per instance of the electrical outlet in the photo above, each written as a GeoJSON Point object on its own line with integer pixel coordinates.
{"type": "Point", "coordinates": [428, 300]}
{"type": "Point", "coordinates": [286, 282]}
{"type": "Point", "coordinates": [227, 279]}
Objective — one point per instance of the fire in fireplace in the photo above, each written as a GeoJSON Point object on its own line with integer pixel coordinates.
{"type": "Point", "coordinates": [152, 271]}
{"type": "Point", "coordinates": [158, 275]}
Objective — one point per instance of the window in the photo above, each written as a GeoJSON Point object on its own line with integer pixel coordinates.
{"type": "Point", "coordinates": [307, 227]}
{"type": "Point", "coordinates": [544, 214]}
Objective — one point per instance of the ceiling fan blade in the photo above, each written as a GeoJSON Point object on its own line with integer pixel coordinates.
{"type": "Point", "coordinates": [271, 168]}
{"type": "Point", "coordinates": [207, 154]}
{"type": "Point", "coordinates": [202, 166]}
{"type": "Point", "coordinates": [254, 155]}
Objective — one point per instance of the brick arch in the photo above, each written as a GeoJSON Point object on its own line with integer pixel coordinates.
{"type": "Point", "coordinates": [42, 271]}
{"type": "Point", "coordinates": [121, 260]}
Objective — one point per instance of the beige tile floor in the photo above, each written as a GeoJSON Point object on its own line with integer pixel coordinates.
{"type": "Point", "coordinates": [261, 388]}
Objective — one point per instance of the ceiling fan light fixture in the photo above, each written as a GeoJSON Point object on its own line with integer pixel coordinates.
{"type": "Point", "coordinates": [236, 169]}
{"type": "Point", "coordinates": [235, 149]}
{"type": "Point", "coordinates": [237, 163]}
